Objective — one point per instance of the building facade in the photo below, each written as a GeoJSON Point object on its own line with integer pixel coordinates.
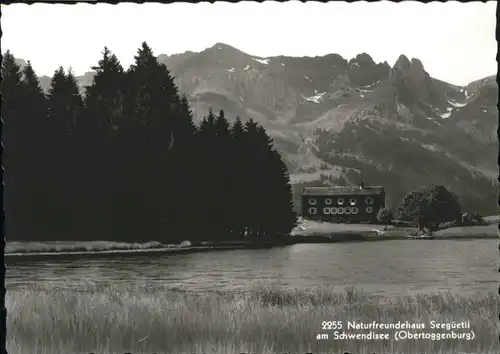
{"type": "Point", "coordinates": [342, 204]}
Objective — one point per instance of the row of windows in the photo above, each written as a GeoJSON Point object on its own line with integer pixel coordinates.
{"type": "Point", "coordinates": [340, 201]}
{"type": "Point", "coordinates": [339, 211]}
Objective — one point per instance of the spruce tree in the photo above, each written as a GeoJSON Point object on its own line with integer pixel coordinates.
{"type": "Point", "coordinates": [205, 189]}
{"type": "Point", "coordinates": [282, 208]}
{"type": "Point", "coordinates": [14, 137]}
{"type": "Point", "coordinates": [74, 102]}
{"type": "Point", "coordinates": [255, 184]}
{"type": "Point", "coordinates": [35, 111]}
{"type": "Point", "coordinates": [58, 121]}
{"type": "Point", "coordinates": [285, 216]}
{"type": "Point", "coordinates": [35, 176]}
{"type": "Point", "coordinates": [59, 155]}
{"type": "Point", "coordinates": [183, 199]}
{"type": "Point", "coordinates": [105, 120]}
{"type": "Point", "coordinates": [12, 104]}
{"type": "Point", "coordinates": [272, 201]}
{"type": "Point", "coordinates": [155, 104]}
{"type": "Point", "coordinates": [224, 170]}
{"type": "Point", "coordinates": [238, 187]}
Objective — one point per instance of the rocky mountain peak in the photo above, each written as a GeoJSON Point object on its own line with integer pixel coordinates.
{"type": "Point", "coordinates": [364, 58]}
{"type": "Point", "coordinates": [363, 71]}
{"type": "Point", "coordinates": [177, 55]}
{"type": "Point", "coordinates": [416, 64]}
{"type": "Point", "coordinates": [402, 63]}
{"type": "Point", "coordinates": [222, 47]}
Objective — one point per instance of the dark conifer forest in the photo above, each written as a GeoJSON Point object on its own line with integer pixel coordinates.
{"type": "Point", "coordinates": [126, 162]}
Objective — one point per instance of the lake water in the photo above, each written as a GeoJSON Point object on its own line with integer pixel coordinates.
{"type": "Point", "coordinates": [383, 268]}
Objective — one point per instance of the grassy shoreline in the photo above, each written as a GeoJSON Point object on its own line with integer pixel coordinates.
{"type": "Point", "coordinates": [20, 249]}
{"type": "Point", "coordinates": [314, 233]}
{"type": "Point", "coordinates": [264, 320]}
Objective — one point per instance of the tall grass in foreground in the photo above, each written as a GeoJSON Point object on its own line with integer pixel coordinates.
{"type": "Point", "coordinates": [265, 320]}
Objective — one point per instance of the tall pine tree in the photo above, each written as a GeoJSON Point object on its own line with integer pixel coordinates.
{"type": "Point", "coordinates": [105, 122]}
{"type": "Point", "coordinates": [206, 193]}
{"type": "Point", "coordinates": [63, 108]}
{"type": "Point", "coordinates": [155, 104]}
{"type": "Point", "coordinates": [14, 137]}
{"type": "Point", "coordinates": [238, 188]}
{"type": "Point", "coordinates": [36, 177]}
{"type": "Point", "coordinates": [279, 217]}
{"type": "Point", "coordinates": [182, 196]}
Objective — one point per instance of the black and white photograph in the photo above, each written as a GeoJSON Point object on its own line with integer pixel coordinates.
{"type": "Point", "coordinates": [220, 178]}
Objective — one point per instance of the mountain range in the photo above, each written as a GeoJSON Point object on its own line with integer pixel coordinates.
{"type": "Point", "coordinates": [346, 121]}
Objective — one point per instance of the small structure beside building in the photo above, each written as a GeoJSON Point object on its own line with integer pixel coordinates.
{"type": "Point", "coordinates": [342, 204]}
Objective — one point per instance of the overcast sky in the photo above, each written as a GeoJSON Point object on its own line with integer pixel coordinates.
{"type": "Point", "coordinates": [455, 41]}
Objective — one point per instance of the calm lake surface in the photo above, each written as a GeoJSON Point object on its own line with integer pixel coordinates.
{"type": "Point", "coordinates": [382, 268]}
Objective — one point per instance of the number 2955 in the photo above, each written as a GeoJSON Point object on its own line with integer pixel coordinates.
{"type": "Point", "coordinates": [331, 325]}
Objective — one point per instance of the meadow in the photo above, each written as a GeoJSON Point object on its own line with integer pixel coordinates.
{"type": "Point", "coordinates": [264, 320]}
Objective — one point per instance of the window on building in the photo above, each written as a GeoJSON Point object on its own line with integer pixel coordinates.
{"type": "Point", "coordinates": [312, 201]}
{"type": "Point", "coordinates": [354, 210]}
{"type": "Point", "coordinates": [352, 201]}
{"type": "Point", "coordinates": [340, 201]}
{"type": "Point", "coordinates": [328, 201]}
{"type": "Point", "coordinates": [369, 210]}
{"type": "Point", "coordinates": [312, 211]}
{"type": "Point", "coordinates": [369, 200]}
{"type": "Point", "coordinates": [326, 211]}
{"type": "Point", "coordinates": [334, 211]}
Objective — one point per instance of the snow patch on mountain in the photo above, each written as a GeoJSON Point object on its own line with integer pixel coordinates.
{"type": "Point", "coordinates": [315, 98]}
{"type": "Point", "coordinates": [371, 85]}
{"type": "Point", "coordinates": [432, 148]}
{"type": "Point", "coordinates": [262, 61]}
{"type": "Point", "coordinates": [307, 78]}
{"type": "Point", "coordinates": [445, 115]}
{"type": "Point", "coordinates": [231, 70]}
{"type": "Point", "coordinates": [467, 96]}
{"type": "Point", "coordinates": [457, 104]}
